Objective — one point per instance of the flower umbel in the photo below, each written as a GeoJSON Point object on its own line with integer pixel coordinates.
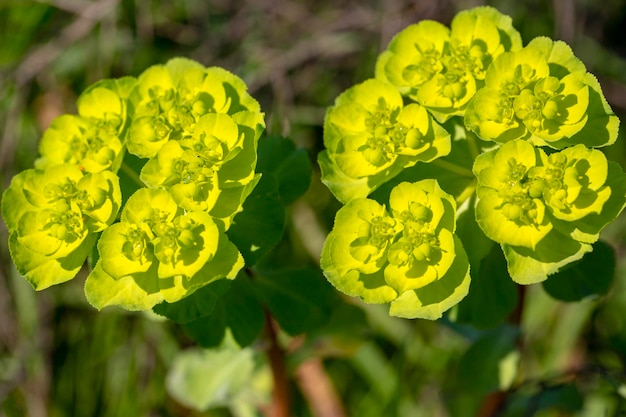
{"type": "Point", "coordinates": [408, 256]}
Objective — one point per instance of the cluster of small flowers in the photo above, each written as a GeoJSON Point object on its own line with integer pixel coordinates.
{"type": "Point", "coordinates": [478, 77]}
{"type": "Point", "coordinates": [198, 128]}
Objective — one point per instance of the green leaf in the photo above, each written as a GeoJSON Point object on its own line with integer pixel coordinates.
{"type": "Point", "coordinates": [485, 367]}
{"type": "Point", "coordinates": [291, 167]}
{"type": "Point", "coordinates": [300, 300]}
{"type": "Point", "coordinates": [553, 252]}
{"type": "Point", "coordinates": [492, 294]}
{"type": "Point", "coordinates": [199, 304]}
{"type": "Point", "coordinates": [208, 331]}
{"type": "Point", "coordinates": [237, 309]}
{"type": "Point", "coordinates": [592, 276]}
{"type": "Point", "coordinates": [259, 227]}
{"type": "Point", "coordinates": [227, 376]}
{"type": "Point", "coordinates": [244, 315]}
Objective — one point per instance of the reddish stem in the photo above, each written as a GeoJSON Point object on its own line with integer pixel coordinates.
{"type": "Point", "coordinates": [280, 406]}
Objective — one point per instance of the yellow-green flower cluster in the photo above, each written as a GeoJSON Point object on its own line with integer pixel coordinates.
{"type": "Point", "coordinates": [442, 68]}
{"type": "Point", "coordinates": [197, 130]}
{"type": "Point", "coordinates": [53, 216]}
{"type": "Point", "coordinates": [544, 94]}
{"type": "Point", "coordinates": [407, 256]}
{"type": "Point", "coordinates": [545, 209]}
{"type": "Point", "coordinates": [371, 136]}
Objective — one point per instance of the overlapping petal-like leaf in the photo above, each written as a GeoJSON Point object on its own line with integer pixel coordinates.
{"type": "Point", "coordinates": [442, 68]}
{"type": "Point", "coordinates": [159, 252]}
{"type": "Point", "coordinates": [407, 256]}
{"type": "Point", "coordinates": [370, 137]}
{"type": "Point", "coordinates": [544, 94]}
{"type": "Point", "coordinates": [545, 209]}
{"type": "Point", "coordinates": [170, 99]}
{"type": "Point", "coordinates": [52, 216]}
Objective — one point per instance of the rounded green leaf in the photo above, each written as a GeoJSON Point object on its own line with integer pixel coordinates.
{"type": "Point", "coordinates": [592, 276]}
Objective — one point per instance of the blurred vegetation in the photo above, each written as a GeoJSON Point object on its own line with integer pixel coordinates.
{"type": "Point", "coordinates": [59, 357]}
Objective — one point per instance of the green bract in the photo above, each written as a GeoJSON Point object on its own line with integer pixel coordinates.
{"type": "Point", "coordinates": [370, 137]}
{"type": "Point", "coordinates": [544, 94]}
{"type": "Point", "coordinates": [442, 68]}
{"type": "Point", "coordinates": [159, 252]}
{"type": "Point", "coordinates": [91, 140]}
{"type": "Point", "coordinates": [53, 215]}
{"type": "Point", "coordinates": [169, 100]}
{"type": "Point", "coordinates": [408, 255]}
{"type": "Point", "coordinates": [545, 210]}
{"type": "Point", "coordinates": [220, 155]}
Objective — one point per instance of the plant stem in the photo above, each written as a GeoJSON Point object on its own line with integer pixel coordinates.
{"type": "Point", "coordinates": [453, 168]}
{"type": "Point", "coordinates": [318, 389]}
{"type": "Point", "coordinates": [280, 406]}
{"type": "Point", "coordinates": [131, 174]}
{"type": "Point", "coordinates": [471, 144]}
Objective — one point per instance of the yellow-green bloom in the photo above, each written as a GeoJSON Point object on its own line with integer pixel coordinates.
{"type": "Point", "coordinates": [529, 200]}
{"type": "Point", "coordinates": [170, 99]}
{"type": "Point", "coordinates": [407, 256]}
{"type": "Point", "coordinates": [370, 137]}
{"type": "Point", "coordinates": [159, 252]}
{"type": "Point", "coordinates": [91, 140]}
{"type": "Point", "coordinates": [541, 93]}
{"type": "Point", "coordinates": [442, 68]}
{"type": "Point", "coordinates": [53, 215]}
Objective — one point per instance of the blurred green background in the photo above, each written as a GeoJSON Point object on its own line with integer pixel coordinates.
{"type": "Point", "coordinates": [60, 357]}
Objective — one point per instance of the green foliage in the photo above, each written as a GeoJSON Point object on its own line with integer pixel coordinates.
{"type": "Point", "coordinates": [469, 159]}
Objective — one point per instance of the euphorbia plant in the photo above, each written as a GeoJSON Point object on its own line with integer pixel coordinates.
{"type": "Point", "coordinates": [465, 150]}
{"type": "Point", "coordinates": [508, 131]}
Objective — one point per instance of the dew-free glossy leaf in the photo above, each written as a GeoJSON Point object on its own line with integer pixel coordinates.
{"type": "Point", "coordinates": [300, 300]}
{"type": "Point", "coordinates": [481, 367]}
{"type": "Point", "coordinates": [592, 276]}
{"type": "Point", "coordinates": [290, 166]}
{"type": "Point", "coordinates": [199, 304]}
{"type": "Point", "coordinates": [260, 225]}
{"type": "Point", "coordinates": [492, 295]}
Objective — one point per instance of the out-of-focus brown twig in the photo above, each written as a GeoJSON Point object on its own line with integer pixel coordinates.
{"type": "Point", "coordinates": [318, 389]}
{"type": "Point", "coordinates": [281, 403]}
